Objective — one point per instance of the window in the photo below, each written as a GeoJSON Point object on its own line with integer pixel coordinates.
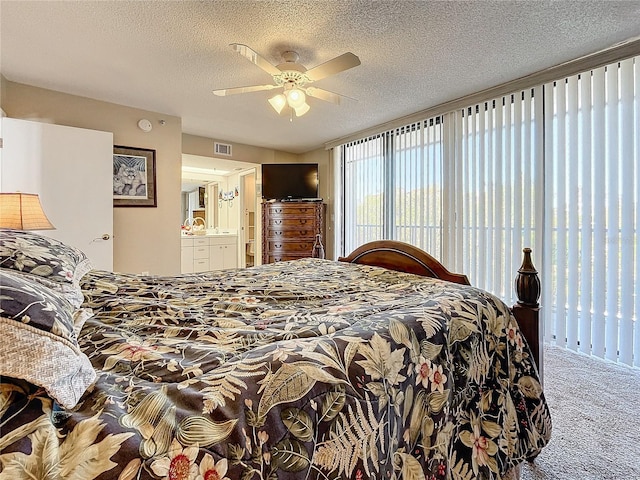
{"type": "Point", "coordinates": [394, 187]}
{"type": "Point", "coordinates": [555, 168]}
{"type": "Point", "coordinates": [433, 184]}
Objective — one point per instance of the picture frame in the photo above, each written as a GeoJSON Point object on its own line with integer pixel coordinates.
{"type": "Point", "coordinates": [134, 177]}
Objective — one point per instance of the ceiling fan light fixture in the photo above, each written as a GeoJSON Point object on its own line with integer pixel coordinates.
{"type": "Point", "coordinates": [296, 98]}
{"type": "Point", "coordinates": [278, 102]}
{"type": "Point", "coordinates": [301, 110]}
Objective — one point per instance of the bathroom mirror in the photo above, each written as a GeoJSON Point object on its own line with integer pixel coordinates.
{"type": "Point", "coordinates": [200, 200]}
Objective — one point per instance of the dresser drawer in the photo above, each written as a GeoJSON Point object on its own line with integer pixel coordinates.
{"type": "Point", "coordinates": [292, 210]}
{"type": "Point", "coordinates": [295, 247]}
{"type": "Point", "coordinates": [292, 233]}
{"type": "Point", "coordinates": [291, 222]}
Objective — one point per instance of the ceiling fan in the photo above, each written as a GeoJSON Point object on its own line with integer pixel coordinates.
{"type": "Point", "coordinates": [293, 78]}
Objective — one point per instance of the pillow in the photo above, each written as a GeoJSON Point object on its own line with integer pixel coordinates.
{"type": "Point", "coordinates": [49, 261]}
{"type": "Point", "coordinates": [38, 341]}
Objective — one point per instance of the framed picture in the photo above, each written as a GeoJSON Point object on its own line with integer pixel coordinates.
{"type": "Point", "coordinates": [134, 177]}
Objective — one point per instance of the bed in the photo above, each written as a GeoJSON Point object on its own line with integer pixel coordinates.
{"type": "Point", "coordinates": [306, 369]}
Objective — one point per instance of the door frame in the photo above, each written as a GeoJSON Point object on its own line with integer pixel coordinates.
{"type": "Point", "coordinates": [243, 234]}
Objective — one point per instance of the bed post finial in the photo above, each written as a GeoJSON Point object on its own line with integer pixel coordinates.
{"type": "Point", "coordinates": [527, 281]}
{"type": "Point", "coordinates": [527, 309]}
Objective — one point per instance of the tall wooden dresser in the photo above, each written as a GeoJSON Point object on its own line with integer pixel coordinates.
{"type": "Point", "coordinates": [290, 228]}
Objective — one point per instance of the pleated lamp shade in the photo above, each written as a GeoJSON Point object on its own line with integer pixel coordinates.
{"type": "Point", "coordinates": [22, 211]}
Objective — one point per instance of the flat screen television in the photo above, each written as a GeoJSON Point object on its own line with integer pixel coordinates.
{"type": "Point", "coordinates": [289, 181]}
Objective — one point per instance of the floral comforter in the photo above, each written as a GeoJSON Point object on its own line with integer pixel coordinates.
{"type": "Point", "coordinates": [309, 369]}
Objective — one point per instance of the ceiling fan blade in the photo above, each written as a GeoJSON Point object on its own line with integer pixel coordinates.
{"type": "Point", "coordinates": [339, 64]}
{"type": "Point", "coordinates": [253, 57]}
{"type": "Point", "coordinates": [325, 95]}
{"type": "Point", "coordinates": [232, 91]}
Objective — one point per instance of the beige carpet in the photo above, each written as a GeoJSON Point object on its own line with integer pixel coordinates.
{"type": "Point", "coordinates": [595, 410]}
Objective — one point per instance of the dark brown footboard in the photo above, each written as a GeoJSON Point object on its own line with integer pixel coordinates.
{"type": "Point", "coordinates": [403, 257]}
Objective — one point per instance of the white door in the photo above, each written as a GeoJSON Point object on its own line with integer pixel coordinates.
{"type": "Point", "coordinates": [72, 171]}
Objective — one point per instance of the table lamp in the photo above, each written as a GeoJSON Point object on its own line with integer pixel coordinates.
{"type": "Point", "coordinates": [22, 211]}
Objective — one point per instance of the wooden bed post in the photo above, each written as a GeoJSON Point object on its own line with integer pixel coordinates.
{"type": "Point", "coordinates": [527, 309]}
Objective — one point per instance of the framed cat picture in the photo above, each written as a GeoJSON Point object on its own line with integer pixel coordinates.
{"type": "Point", "coordinates": [134, 177]}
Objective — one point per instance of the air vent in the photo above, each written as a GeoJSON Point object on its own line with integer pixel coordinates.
{"type": "Point", "coordinates": [222, 149]}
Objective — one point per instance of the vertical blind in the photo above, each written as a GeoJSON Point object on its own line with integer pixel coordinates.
{"type": "Point", "coordinates": [556, 167]}
{"type": "Point", "coordinates": [416, 160]}
{"type": "Point", "coordinates": [363, 206]}
{"type": "Point", "coordinates": [495, 163]}
{"type": "Point", "coordinates": [591, 272]}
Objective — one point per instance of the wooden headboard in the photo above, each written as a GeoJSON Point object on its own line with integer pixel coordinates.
{"type": "Point", "coordinates": [402, 257]}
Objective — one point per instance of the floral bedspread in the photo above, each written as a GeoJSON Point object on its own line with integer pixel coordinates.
{"type": "Point", "coordinates": [310, 369]}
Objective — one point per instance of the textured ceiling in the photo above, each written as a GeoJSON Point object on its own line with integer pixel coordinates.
{"type": "Point", "coordinates": [168, 56]}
